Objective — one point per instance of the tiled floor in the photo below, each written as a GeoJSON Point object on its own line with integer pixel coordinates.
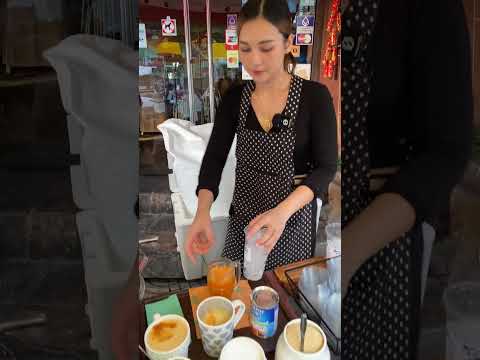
{"type": "Point", "coordinates": [56, 290]}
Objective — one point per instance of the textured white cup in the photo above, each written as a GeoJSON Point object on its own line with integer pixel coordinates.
{"type": "Point", "coordinates": [214, 338]}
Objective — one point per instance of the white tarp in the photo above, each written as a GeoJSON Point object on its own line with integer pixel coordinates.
{"type": "Point", "coordinates": [97, 77]}
{"type": "Point", "coordinates": [186, 144]}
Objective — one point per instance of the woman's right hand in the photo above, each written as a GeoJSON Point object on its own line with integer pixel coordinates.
{"type": "Point", "coordinates": [200, 236]}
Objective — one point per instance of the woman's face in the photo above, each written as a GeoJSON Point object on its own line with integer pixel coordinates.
{"type": "Point", "coordinates": [263, 49]}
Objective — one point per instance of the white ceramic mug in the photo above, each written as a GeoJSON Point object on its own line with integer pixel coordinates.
{"type": "Point", "coordinates": [285, 351]}
{"type": "Point", "coordinates": [242, 348]}
{"type": "Point", "coordinates": [180, 351]}
{"type": "Point", "coordinates": [215, 337]}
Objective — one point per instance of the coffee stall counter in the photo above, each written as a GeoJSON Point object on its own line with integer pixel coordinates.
{"type": "Point", "coordinates": [287, 312]}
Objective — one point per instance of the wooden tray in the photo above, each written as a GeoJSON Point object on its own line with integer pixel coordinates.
{"type": "Point", "coordinates": [286, 313]}
{"type": "Point", "coordinates": [295, 275]}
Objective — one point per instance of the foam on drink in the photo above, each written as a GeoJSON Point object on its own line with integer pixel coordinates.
{"type": "Point", "coordinates": [167, 335]}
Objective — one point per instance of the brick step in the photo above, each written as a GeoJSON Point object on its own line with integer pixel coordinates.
{"type": "Point", "coordinates": [37, 157]}
{"type": "Point", "coordinates": [41, 283]}
{"type": "Point", "coordinates": [154, 203]}
{"type": "Point", "coordinates": [35, 234]}
{"type": "Point", "coordinates": [153, 158]}
{"type": "Point", "coordinates": [156, 184]}
{"type": "Point", "coordinates": [154, 224]}
{"type": "Point", "coordinates": [159, 287]}
{"type": "Point", "coordinates": [163, 265]}
{"type": "Point", "coordinates": [43, 190]}
{"type": "Point", "coordinates": [32, 114]}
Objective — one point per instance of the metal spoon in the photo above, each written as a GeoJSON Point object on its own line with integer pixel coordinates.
{"type": "Point", "coordinates": [303, 329]}
{"type": "Point", "coordinates": [144, 352]}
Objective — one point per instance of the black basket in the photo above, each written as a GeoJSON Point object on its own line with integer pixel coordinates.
{"type": "Point", "coordinates": [333, 341]}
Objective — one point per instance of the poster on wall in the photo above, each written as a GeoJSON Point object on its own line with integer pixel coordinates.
{"type": "Point", "coordinates": [231, 37]}
{"type": "Point", "coordinates": [305, 24]}
{"type": "Point", "coordinates": [304, 71]}
{"type": "Point", "coordinates": [142, 36]}
{"type": "Point", "coordinates": [304, 39]}
{"type": "Point", "coordinates": [305, 29]}
{"type": "Point", "coordinates": [232, 21]}
{"type": "Point", "coordinates": [169, 27]}
{"type": "Point", "coordinates": [307, 3]}
{"type": "Point", "coordinates": [231, 45]}
{"type": "Point", "coordinates": [232, 59]}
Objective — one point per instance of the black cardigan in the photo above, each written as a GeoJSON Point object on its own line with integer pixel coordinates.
{"type": "Point", "coordinates": [421, 102]}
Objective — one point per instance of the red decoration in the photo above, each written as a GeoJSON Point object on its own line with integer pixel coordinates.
{"type": "Point", "coordinates": [330, 60]}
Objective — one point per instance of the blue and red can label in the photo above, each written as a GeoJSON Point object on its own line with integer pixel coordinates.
{"type": "Point", "coordinates": [264, 312]}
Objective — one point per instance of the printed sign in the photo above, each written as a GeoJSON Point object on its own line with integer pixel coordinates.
{"type": "Point", "coordinates": [305, 24]}
{"type": "Point", "coordinates": [231, 37]}
{"type": "Point", "coordinates": [307, 3]}
{"type": "Point", "coordinates": [304, 71]}
{"type": "Point", "coordinates": [231, 47]}
{"type": "Point", "coordinates": [232, 21]}
{"type": "Point", "coordinates": [232, 59]}
{"type": "Point", "coordinates": [169, 27]}
{"type": "Point", "coordinates": [304, 39]}
{"type": "Point", "coordinates": [142, 36]}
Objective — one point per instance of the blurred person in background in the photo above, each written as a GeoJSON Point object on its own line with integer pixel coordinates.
{"type": "Point", "coordinates": [406, 135]}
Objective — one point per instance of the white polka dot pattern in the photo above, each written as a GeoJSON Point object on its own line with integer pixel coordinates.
{"type": "Point", "coordinates": [377, 312]}
{"type": "Point", "coordinates": [263, 179]}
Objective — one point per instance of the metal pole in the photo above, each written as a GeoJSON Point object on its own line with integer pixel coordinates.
{"type": "Point", "coordinates": [112, 19]}
{"type": "Point", "coordinates": [82, 24]}
{"type": "Point", "coordinates": [188, 53]}
{"type": "Point", "coordinates": [210, 62]}
{"type": "Point", "coordinates": [103, 17]}
{"type": "Point", "coordinates": [134, 23]}
{"type": "Point", "coordinates": [122, 20]}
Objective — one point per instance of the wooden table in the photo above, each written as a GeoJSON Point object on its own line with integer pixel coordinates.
{"type": "Point", "coordinates": [286, 313]}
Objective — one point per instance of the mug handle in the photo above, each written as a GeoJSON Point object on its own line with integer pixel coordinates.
{"type": "Point", "coordinates": [238, 310]}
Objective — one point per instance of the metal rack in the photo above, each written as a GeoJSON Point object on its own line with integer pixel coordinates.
{"type": "Point", "coordinates": [116, 19]}
{"type": "Point", "coordinates": [334, 342]}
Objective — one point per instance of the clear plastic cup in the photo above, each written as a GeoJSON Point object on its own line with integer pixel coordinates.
{"type": "Point", "coordinates": [334, 270]}
{"type": "Point", "coordinates": [334, 239]}
{"type": "Point", "coordinates": [254, 257]}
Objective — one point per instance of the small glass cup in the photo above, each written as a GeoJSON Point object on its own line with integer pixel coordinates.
{"type": "Point", "coordinates": [223, 277]}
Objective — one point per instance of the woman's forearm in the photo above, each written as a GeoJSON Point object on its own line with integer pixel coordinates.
{"type": "Point", "coordinates": [205, 201]}
{"type": "Point", "coordinates": [302, 196]}
{"type": "Point", "coordinates": [386, 219]}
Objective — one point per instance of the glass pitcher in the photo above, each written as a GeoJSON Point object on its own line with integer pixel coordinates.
{"type": "Point", "coordinates": [223, 277]}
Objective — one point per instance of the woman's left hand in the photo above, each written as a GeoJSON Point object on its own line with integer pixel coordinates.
{"type": "Point", "coordinates": [273, 221]}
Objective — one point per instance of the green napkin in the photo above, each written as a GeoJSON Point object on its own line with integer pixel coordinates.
{"type": "Point", "coordinates": [168, 306]}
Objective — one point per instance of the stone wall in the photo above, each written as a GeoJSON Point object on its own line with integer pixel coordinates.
{"type": "Point", "coordinates": [156, 214]}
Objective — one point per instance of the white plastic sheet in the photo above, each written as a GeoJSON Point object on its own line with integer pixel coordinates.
{"type": "Point", "coordinates": [97, 77]}
{"type": "Point", "coordinates": [186, 144]}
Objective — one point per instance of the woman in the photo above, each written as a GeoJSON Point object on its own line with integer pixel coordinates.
{"type": "Point", "coordinates": [286, 147]}
{"type": "Point", "coordinates": [406, 125]}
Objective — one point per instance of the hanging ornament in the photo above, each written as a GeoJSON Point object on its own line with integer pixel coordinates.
{"type": "Point", "coordinates": [330, 59]}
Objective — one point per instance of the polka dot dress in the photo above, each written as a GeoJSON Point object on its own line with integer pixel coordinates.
{"type": "Point", "coordinates": [380, 308]}
{"type": "Point", "coordinates": [264, 178]}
